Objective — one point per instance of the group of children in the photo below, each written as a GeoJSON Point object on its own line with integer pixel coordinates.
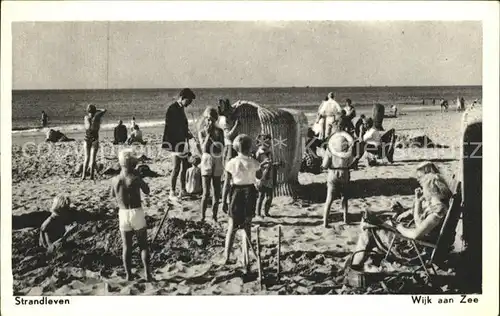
{"type": "Point", "coordinates": [248, 186]}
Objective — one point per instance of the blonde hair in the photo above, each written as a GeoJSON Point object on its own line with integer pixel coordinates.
{"type": "Point", "coordinates": [428, 167]}
{"type": "Point", "coordinates": [242, 144]}
{"type": "Point", "coordinates": [435, 185]}
{"type": "Point", "coordinates": [126, 158]}
{"type": "Point", "coordinates": [212, 113]}
{"type": "Point", "coordinates": [60, 203]}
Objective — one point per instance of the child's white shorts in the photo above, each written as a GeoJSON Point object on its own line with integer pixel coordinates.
{"type": "Point", "coordinates": [132, 219]}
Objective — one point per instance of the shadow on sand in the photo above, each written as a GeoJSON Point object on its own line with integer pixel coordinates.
{"type": "Point", "coordinates": [316, 192]}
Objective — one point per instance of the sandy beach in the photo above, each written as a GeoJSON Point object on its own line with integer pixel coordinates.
{"type": "Point", "coordinates": [187, 254]}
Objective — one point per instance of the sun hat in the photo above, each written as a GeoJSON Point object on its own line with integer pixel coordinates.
{"type": "Point", "coordinates": [339, 144]}
{"type": "Point", "coordinates": [423, 165]}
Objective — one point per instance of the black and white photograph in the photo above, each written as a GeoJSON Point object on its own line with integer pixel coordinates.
{"type": "Point", "coordinates": [247, 157]}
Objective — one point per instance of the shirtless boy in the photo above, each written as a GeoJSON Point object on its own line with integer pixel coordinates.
{"type": "Point", "coordinates": [126, 188]}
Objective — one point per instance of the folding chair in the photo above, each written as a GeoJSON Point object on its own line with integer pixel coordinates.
{"type": "Point", "coordinates": [446, 235]}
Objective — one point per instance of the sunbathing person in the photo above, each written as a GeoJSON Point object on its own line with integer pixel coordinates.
{"type": "Point", "coordinates": [430, 206]}
{"type": "Point", "coordinates": [54, 136]}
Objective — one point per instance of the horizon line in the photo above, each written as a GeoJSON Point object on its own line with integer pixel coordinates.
{"type": "Point", "coordinates": [255, 87]}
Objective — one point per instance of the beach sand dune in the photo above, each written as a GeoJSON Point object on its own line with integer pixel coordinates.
{"type": "Point", "coordinates": [187, 253]}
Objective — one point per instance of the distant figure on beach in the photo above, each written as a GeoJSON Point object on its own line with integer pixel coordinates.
{"type": "Point", "coordinates": [361, 126]}
{"type": "Point", "coordinates": [91, 141]}
{"type": "Point", "coordinates": [444, 105]}
{"type": "Point", "coordinates": [328, 112]}
{"type": "Point", "coordinates": [378, 113]}
{"type": "Point", "coordinates": [132, 123]}
{"type": "Point", "coordinates": [120, 133]}
{"type": "Point", "coordinates": [243, 171]}
{"type": "Point", "coordinates": [423, 101]}
{"type": "Point", "coordinates": [462, 104]}
{"type": "Point", "coordinates": [126, 189]}
{"type": "Point", "coordinates": [394, 110]}
{"type": "Point", "coordinates": [211, 138]}
{"type": "Point", "coordinates": [135, 136]}
{"type": "Point", "coordinates": [176, 136]}
{"type": "Point", "coordinates": [433, 101]}
{"type": "Point", "coordinates": [474, 104]}
{"type": "Point", "coordinates": [349, 109]}
{"type": "Point", "coordinates": [55, 136]}
{"type": "Point", "coordinates": [45, 119]}
{"type": "Point", "coordinates": [53, 231]}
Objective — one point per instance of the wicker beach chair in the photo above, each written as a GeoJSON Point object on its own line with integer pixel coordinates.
{"type": "Point", "coordinates": [287, 127]}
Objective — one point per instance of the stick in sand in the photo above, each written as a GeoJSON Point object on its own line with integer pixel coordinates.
{"type": "Point", "coordinates": [278, 254]}
{"type": "Point", "coordinates": [259, 266]}
{"type": "Point", "coordinates": [161, 224]}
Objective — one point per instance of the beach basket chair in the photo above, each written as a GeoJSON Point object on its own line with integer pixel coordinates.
{"type": "Point", "coordinates": [441, 246]}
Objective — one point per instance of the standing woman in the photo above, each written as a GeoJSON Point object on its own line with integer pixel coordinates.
{"type": "Point", "coordinates": [176, 138]}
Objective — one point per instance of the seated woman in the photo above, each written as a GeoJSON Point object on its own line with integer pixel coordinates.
{"type": "Point", "coordinates": [135, 136]}
{"type": "Point", "coordinates": [378, 145]}
{"type": "Point", "coordinates": [311, 161]}
{"type": "Point", "coordinates": [430, 206]}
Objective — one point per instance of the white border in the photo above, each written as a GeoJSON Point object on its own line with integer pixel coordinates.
{"type": "Point", "coordinates": [303, 305]}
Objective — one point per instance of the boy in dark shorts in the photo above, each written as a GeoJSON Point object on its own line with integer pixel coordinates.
{"type": "Point", "coordinates": [126, 188]}
{"type": "Point", "coordinates": [242, 173]}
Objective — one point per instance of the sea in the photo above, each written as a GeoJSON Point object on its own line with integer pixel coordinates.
{"type": "Point", "coordinates": [66, 108]}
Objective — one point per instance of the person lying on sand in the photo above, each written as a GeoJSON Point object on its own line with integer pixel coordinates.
{"type": "Point", "coordinates": [55, 136]}
{"type": "Point", "coordinates": [430, 206]}
{"type": "Point", "coordinates": [338, 159]}
{"type": "Point", "coordinates": [126, 189]}
{"type": "Point", "coordinates": [243, 171]}
{"type": "Point", "coordinates": [53, 231]}
{"type": "Point", "coordinates": [91, 144]}
{"type": "Point", "coordinates": [212, 166]}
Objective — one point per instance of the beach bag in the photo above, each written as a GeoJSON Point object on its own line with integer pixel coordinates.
{"type": "Point", "coordinates": [193, 180]}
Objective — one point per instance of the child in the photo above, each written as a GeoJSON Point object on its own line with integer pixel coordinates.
{"type": "Point", "coordinates": [338, 159]}
{"type": "Point", "coordinates": [126, 188]}
{"type": "Point", "coordinates": [212, 166]}
{"type": "Point", "coordinates": [265, 184]}
{"type": "Point", "coordinates": [242, 172]}
{"type": "Point", "coordinates": [193, 176]}
{"type": "Point", "coordinates": [92, 125]}
{"type": "Point", "coordinates": [53, 230]}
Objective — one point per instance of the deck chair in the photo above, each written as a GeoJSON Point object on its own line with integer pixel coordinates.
{"type": "Point", "coordinates": [446, 234]}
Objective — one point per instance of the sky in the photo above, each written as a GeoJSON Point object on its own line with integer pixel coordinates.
{"type": "Point", "coordinates": [78, 55]}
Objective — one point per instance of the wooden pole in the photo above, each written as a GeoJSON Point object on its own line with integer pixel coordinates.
{"type": "Point", "coordinates": [278, 254]}
{"type": "Point", "coordinates": [161, 224]}
{"type": "Point", "coordinates": [259, 263]}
